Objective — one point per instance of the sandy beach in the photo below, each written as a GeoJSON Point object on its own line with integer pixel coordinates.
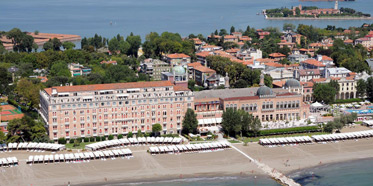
{"type": "Point", "coordinates": [145, 167]}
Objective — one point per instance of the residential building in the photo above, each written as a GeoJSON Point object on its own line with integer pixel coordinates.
{"type": "Point", "coordinates": [297, 58]}
{"type": "Point", "coordinates": [336, 72]}
{"type": "Point", "coordinates": [113, 109]}
{"type": "Point", "coordinates": [305, 75]}
{"type": "Point", "coordinates": [201, 73]}
{"type": "Point", "coordinates": [277, 56]}
{"type": "Point", "coordinates": [78, 70]}
{"type": "Point", "coordinates": [280, 74]}
{"type": "Point", "coordinates": [230, 38]}
{"type": "Point", "coordinates": [312, 64]}
{"type": "Point", "coordinates": [177, 59]}
{"type": "Point", "coordinates": [154, 68]}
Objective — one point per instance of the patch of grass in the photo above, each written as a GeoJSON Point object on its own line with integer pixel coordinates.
{"type": "Point", "coordinates": [81, 146]}
{"type": "Point", "coordinates": [359, 122]}
{"type": "Point", "coordinates": [234, 141]}
{"type": "Point", "coordinates": [256, 139]}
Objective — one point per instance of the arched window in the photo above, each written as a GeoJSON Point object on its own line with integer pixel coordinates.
{"type": "Point", "coordinates": [286, 104]}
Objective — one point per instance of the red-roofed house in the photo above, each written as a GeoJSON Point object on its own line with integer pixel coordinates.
{"type": "Point", "coordinates": [201, 73]}
{"type": "Point", "coordinates": [201, 57]}
{"type": "Point", "coordinates": [277, 56]}
{"type": "Point", "coordinates": [109, 62]}
{"type": "Point", "coordinates": [177, 59]}
{"type": "Point", "coordinates": [312, 64]}
{"type": "Point", "coordinates": [230, 38]}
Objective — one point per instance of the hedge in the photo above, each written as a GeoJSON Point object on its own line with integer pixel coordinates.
{"type": "Point", "coordinates": [289, 130]}
{"type": "Point", "coordinates": [348, 100]}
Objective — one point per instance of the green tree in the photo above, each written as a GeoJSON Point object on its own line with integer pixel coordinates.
{"type": "Point", "coordinates": [232, 29]}
{"type": "Point", "coordinates": [5, 79]}
{"type": "Point", "coordinates": [20, 40]}
{"type": "Point", "coordinates": [139, 133]}
{"type": "Point", "coordinates": [28, 92]}
{"type": "Point", "coordinates": [323, 93]}
{"type": "Point", "coordinates": [61, 141]}
{"type": "Point", "coordinates": [335, 85]}
{"type": "Point", "coordinates": [68, 45]}
{"type": "Point", "coordinates": [59, 68]}
{"type": "Point", "coordinates": [191, 84]}
{"type": "Point", "coordinates": [156, 129]}
{"type": "Point", "coordinates": [240, 84]}
{"type": "Point", "coordinates": [2, 137]}
{"type": "Point", "coordinates": [370, 88]}
{"type": "Point", "coordinates": [113, 45]}
{"type": "Point", "coordinates": [190, 122]}
{"type": "Point", "coordinates": [48, 46]}
{"type": "Point", "coordinates": [361, 88]}
{"type": "Point", "coordinates": [134, 42]}
{"type": "Point", "coordinates": [288, 26]}
{"type": "Point", "coordinates": [129, 135]}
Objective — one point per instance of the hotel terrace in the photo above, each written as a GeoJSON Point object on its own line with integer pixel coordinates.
{"type": "Point", "coordinates": [113, 109]}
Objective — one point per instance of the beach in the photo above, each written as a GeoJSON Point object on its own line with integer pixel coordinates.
{"type": "Point", "coordinates": [147, 168]}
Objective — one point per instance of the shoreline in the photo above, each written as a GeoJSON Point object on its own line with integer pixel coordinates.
{"type": "Point", "coordinates": [171, 167]}
{"type": "Point", "coordinates": [321, 18]}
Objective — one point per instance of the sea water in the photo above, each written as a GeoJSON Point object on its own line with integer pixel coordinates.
{"type": "Point", "coordinates": [215, 181]}
{"type": "Point", "coordinates": [353, 173]}
{"type": "Point", "coordinates": [110, 17]}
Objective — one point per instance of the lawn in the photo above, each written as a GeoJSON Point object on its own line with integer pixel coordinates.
{"type": "Point", "coordinates": [234, 141]}
{"type": "Point", "coordinates": [81, 146]}
{"type": "Point", "coordinates": [256, 139]}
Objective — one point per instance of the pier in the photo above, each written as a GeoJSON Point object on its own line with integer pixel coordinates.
{"type": "Point", "coordinates": [278, 176]}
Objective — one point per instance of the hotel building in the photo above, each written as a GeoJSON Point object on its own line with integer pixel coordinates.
{"type": "Point", "coordinates": [113, 109]}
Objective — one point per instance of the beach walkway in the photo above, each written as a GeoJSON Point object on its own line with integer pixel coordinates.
{"type": "Point", "coordinates": [270, 171]}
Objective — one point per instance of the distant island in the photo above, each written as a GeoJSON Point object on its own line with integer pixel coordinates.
{"type": "Point", "coordinates": [313, 12]}
{"type": "Point", "coordinates": [326, 0]}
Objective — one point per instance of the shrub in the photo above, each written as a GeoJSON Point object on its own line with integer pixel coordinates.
{"type": "Point", "coordinates": [98, 138]}
{"type": "Point", "coordinates": [129, 135]}
{"type": "Point", "coordinates": [103, 138]}
{"type": "Point", "coordinates": [71, 141]}
{"type": "Point", "coordinates": [289, 130]}
{"type": "Point", "coordinates": [110, 137]}
{"type": "Point", "coordinates": [61, 141]}
{"type": "Point", "coordinates": [120, 136]}
{"type": "Point", "coordinates": [86, 139]}
{"type": "Point", "coordinates": [76, 142]}
{"type": "Point", "coordinates": [92, 139]}
{"type": "Point", "coordinates": [348, 100]}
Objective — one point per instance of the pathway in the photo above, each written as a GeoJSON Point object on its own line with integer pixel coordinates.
{"type": "Point", "coordinates": [270, 171]}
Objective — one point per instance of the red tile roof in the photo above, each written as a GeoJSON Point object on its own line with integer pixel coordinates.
{"type": "Point", "coordinates": [279, 83]}
{"type": "Point", "coordinates": [272, 64]}
{"type": "Point", "coordinates": [112, 86]}
{"type": "Point", "coordinates": [318, 80]}
{"type": "Point", "coordinates": [204, 69]}
{"type": "Point", "coordinates": [313, 62]}
{"type": "Point", "coordinates": [276, 55]}
{"type": "Point", "coordinates": [180, 88]}
{"type": "Point", "coordinates": [203, 54]}
{"type": "Point", "coordinates": [230, 37]}
{"type": "Point", "coordinates": [195, 64]}
{"type": "Point", "coordinates": [177, 56]}
{"type": "Point", "coordinates": [326, 58]}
